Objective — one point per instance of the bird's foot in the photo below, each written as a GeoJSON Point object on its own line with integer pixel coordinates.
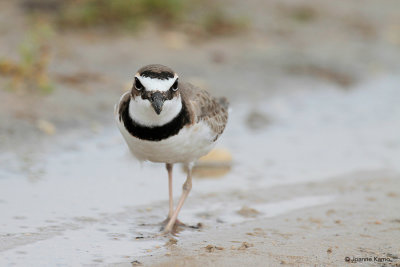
{"type": "Point", "coordinates": [177, 227]}
{"type": "Point", "coordinates": [177, 222]}
{"type": "Point", "coordinates": [174, 228]}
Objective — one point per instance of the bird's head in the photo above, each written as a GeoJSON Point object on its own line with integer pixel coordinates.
{"type": "Point", "coordinates": [155, 94]}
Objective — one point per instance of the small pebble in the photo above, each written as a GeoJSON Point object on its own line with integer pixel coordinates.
{"type": "Point", "coordinates": [46, 127]}
{"type": "Point", "coordinates": [248, 212]}
{"type": "Point", "coordinates": [245, 245]}
{"type": "Point", "coordinates": [212, 248]}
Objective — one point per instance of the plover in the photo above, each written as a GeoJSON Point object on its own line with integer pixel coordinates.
{"type": "Point", "coordinates": [168, 121]}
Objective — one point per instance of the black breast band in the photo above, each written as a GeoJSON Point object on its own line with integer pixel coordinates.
{"type": "Point", "coordinates": [156, 133]}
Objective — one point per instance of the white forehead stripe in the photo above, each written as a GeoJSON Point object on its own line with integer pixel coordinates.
{"type": "Point", "coordinates": [154, 84]}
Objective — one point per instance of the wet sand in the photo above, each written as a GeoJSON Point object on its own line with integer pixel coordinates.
{"type": "Point", "coordinates": [363, 221]}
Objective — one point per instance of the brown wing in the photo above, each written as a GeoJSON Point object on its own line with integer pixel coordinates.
{"type": "Point", "coordinates": [204, 107]}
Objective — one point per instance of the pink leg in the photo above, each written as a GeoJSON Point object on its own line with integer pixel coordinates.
{"type": "Point", "coordinates": [171, 197]}
{"type": "Point", "coordinates": [187, 186]}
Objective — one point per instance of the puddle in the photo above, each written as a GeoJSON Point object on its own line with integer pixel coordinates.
{"type": "Point", "coordinates": [236, 211]}
{"type": "Point", "coordinates": [89, 197]}
{"type": "Point", "coordinates": [87, 245]}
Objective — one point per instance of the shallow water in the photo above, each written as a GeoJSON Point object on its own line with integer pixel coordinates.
{"type": "Point", "coordinates": [84, 199]}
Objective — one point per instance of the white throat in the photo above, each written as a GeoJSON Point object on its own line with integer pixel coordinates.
{"type": "Point", "coordinates": [141, 111]}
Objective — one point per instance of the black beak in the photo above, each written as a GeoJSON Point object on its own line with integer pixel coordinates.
{"type": "Point", "coordinates": [157, 101]}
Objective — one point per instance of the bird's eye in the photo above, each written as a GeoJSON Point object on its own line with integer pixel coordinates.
{"type": "Point", "coordinates": [138, 84]}
{"type": "Point", "coordinates": [174, 87]}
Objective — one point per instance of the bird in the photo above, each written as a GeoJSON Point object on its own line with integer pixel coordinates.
{"type": "Point", "coordinates": [166, 120]}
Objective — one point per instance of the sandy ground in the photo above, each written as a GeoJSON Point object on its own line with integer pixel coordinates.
{"type": "Point", "coordinates": [362, 222]}
{"type": "Point", "coordinates": [313, 134]}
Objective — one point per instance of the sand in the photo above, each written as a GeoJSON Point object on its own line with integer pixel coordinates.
{"type": "Point", "coordinates": [363, 222]}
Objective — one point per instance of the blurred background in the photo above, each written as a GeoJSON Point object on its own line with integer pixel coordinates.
{"type": "Point", "coordinates": [65, 62]}
{"type": "Point", "coordinates": [314, 88]}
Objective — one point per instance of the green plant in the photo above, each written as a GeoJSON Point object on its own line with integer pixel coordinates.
{"type": "Point", "coordinates": [206, 15]}
{"type": "Point", "coordinates": [126, 13]}
{"type": "Point", "coordinates": [31, 71]}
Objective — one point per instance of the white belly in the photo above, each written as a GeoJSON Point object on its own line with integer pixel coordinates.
{"type": "Point", "coordinates": [186, 146]}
